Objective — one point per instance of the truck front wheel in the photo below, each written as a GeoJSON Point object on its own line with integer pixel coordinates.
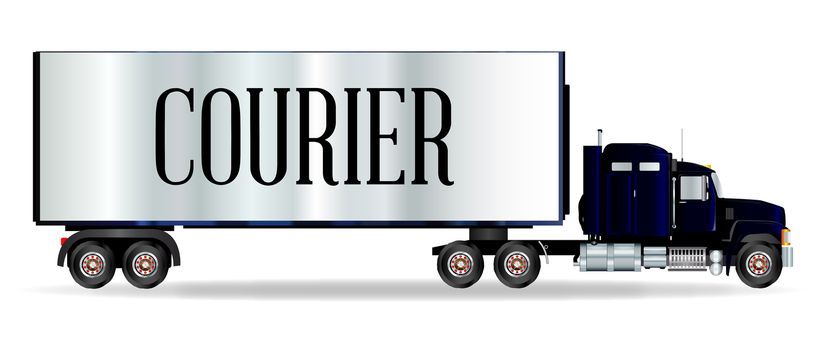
{"type": "Point", "coordinates": [460, 264]}
{"type": "Point", "coordinates": [758, 264]}
{"type": "Point", "coordinates": [91, 264]}
{"type": "Point", "coordinates": [516, 264]}
{"type": "Point", "coordinates": [145, 264]}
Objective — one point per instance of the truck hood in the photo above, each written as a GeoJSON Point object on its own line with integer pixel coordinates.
{"type": "Point", "coordinates": [750, 209]}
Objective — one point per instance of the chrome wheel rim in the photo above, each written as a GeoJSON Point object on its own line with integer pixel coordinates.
{"type": "Point", "coordinates": [92, 264]}
{"type": "Point", "coordinates": [758, 264]}
{"type": "Point", "coordinates": [516, 264]}
{"type": "Point", "coordinates": [460, 264]}
{"type": "Point", "coordinates": [145, 264]}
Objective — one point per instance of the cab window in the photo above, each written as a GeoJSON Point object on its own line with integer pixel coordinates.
{"type": "Point", "coordinates": [621, 166]}
{"type": "Point", "coordinates": [694, 188]}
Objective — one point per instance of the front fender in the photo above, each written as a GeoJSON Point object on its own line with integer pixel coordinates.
{"type": "Point", "coordinates": [744, 231]}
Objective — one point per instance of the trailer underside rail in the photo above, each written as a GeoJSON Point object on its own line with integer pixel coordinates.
{"type": "Point", "coordinates": [551, 247]}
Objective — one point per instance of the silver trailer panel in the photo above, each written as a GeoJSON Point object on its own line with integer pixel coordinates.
{"type": "Point", "coordinates": [96, 138]}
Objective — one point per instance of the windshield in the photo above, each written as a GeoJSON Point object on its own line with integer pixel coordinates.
{"type": "Point", "coordinates": [717, 185]}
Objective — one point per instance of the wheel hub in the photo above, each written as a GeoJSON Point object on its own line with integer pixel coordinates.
{"type": "Point", "coordinates": [92, 264]}
{"type": "Point", "coordinates": [758, 264]}
{"type": "Point", "coordinates": [460, 264]}
{"type": "Point", "coordinates": [144, 264]}
{"type": "Point", "coordinates": [517, 263]}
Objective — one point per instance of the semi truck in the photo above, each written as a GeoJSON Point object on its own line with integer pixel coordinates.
{"type": "Point", "coordinates": [129, 146]}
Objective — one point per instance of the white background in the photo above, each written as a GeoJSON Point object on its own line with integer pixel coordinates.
{"type": "Point", "coordinates": [749, 81]}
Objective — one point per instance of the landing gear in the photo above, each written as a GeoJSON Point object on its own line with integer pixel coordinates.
{"type": "Point", "coordinates": [91, 264]}
{"type": "Point", "coordinates": [758, 265]}
{"type": "Point", "coordinates": [516, 264]}
{"type": "Point", "coordinates": [460, 264]}
{"type": "Point", "coordinates": [145, 264]}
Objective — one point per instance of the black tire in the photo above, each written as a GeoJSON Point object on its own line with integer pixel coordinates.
{"type": "Point", "coordinates": [145, 264]}
{"type": "Point", "coordinates": [758, 264]}
{"type": "Point", "coordinates": [517, 264]}
{"type": "Point", "coordinates": [92, 264]}
{"type": "Point", "coordinates": [468, 264]}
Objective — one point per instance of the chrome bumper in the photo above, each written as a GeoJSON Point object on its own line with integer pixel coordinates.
{"type": "Point", "coordinates": [787, 256]}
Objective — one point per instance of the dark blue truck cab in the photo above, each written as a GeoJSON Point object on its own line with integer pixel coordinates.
{"type": "Point", "coordinates": [637, 194]}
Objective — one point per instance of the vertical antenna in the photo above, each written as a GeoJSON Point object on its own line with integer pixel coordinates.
{"type": "Point", "coordinates": [683, 144]}
{"type": "Point", "coordinates": [599, 136]}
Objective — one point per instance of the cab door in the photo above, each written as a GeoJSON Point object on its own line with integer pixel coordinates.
{"type": "Point", "coordinates": [652, 212]}
{"type": "Point", "coordinates": [696, 204]}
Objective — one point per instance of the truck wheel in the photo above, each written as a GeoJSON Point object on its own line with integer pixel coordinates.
{"type": "Point", "coordinates": [758, 265]}
{"type": "Point", "coordinates": [145, 264]}
{"type": "Point", "coordinates": [516, 264]}
{"type": "Point", "coordinates": [460, 264]}
{"type": "Point", "coordinates": [91, 264]}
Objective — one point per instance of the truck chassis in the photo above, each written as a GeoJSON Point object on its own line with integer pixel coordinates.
{"type": "Point", "coordinates": [517, 262]}
{"type": "Point", "coordinates": [145, 255]}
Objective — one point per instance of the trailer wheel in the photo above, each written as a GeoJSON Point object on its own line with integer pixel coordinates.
{"type": "Point", "coordinates": [92, 264]}
{"type": "Point", "coordinates": [145, 264]}
{"type": "Point", "coordinates": [758, 264]}
{"type": "Point", "coordinates": [460, 264]}
{"type": "Point", "coordinates": [517, 264]}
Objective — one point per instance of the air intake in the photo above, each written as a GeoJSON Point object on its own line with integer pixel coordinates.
{"type": "Point", "coordinates": [687, 259]}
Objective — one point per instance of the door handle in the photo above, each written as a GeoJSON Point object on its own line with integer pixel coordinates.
{"type": "Point", "coordinates": [673, 204]}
